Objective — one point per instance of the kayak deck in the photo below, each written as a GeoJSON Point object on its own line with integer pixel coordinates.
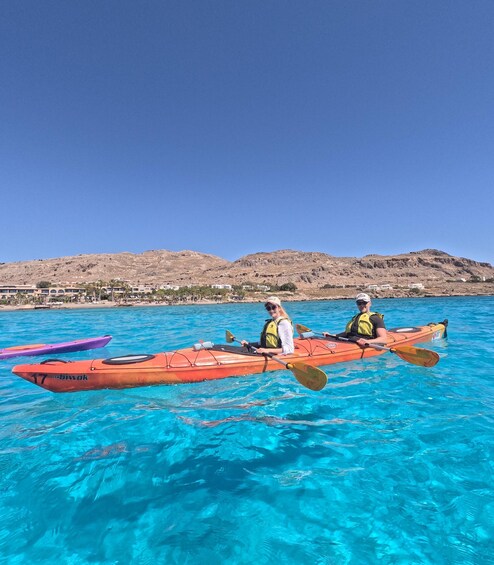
{"type": "Point", "coordinates": [188, 365]}
{"type": "Point", "coordinates": [50, 348]}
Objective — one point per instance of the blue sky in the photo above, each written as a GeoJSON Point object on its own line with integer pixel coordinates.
{"type": "Point", "coordinates": [228, 127]}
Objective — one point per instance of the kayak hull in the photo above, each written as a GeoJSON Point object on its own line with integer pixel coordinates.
{"type": "Point", "coordinates": [188, 365]}
{"type": "Point", "coordinates": [49, 349]}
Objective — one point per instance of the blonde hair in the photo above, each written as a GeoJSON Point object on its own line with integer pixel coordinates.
{"type": "Point", "coordinates": [283, 312]}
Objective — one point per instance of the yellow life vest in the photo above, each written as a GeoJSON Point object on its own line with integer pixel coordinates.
{"type": "Point", "coordinates": [362, 325]}
{"type": "Point", "coordinates": [269, 334]}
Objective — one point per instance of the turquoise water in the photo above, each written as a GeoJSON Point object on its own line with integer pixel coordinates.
{"type": "Point", "coordinates": [390, 463]}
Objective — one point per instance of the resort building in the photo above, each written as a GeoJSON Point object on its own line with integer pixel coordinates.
{"type": "Point", "coordinates": [7, 290]}
{"type": "Point", "coordinates": [385, 286]}
{"type": "Point", "coordinates": [12, 290]}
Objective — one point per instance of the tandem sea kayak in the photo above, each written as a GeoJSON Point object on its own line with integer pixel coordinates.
{"type": "Point", "coordinates": [193, 365]}
{"type": "Point", "coordinates": [50, 348]}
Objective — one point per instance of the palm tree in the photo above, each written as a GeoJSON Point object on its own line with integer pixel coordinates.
{"type": "Point", "coordinates": [100, 285]}
{"type": "Point", "coordinates": [90, 289]}
{"type": "Point", "coordinates": [113, 284]}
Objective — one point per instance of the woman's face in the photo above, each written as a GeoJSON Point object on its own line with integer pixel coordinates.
{"type": "Point", "coordinates": [273, 309]}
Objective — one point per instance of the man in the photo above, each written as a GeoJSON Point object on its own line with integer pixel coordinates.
{"type": "Point", "coordinates": [365, 327]}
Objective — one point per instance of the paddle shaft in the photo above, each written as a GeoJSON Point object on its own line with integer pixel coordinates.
{"type": "Point", "coordinates": [341, 338]}
{"type": "Point", "coordinates": [270, 355]}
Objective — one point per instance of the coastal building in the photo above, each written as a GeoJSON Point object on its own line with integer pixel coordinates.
{"type": "Point", "coordinates": [10, 290]}
{"type": "Point", "coordinates": [169, 287]}
{"type": "Point", "coordinates": [375, 287]}
{"type": "Point", "coordinates": [7, 290]}
{"type": "Point", "coordinates": [143, 289]}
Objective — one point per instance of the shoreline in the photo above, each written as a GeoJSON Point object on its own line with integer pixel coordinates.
{"type": "Point", "coordinates": [294, 297]}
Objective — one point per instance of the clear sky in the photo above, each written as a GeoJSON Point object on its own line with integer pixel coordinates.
{"type": "Point", "coordinates": [231, 127]}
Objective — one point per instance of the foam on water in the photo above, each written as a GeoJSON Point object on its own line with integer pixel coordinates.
{"type": "Point", "coordinates": [390, 463]}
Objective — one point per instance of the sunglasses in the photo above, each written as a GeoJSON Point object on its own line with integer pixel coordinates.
{"type": "Point", "coordinates": [270, 307]}
{"type": "Point", "coordinates": [361, 302]}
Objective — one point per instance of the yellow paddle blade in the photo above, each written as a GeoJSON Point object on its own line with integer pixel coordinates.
{"type": "Point", "coordinates": [310, 377]}
{"type": "Point", "coordinates": [416, 355]}
{"type": "Point", "coordinates": [301, 328]}
{"type": "Point", "coordinates": [230, 338]}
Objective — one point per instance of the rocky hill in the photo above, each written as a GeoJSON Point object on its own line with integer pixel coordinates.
{"type": "Point", "coordinates": [182, 267]}
{"type": "Point", "coordinates": [308, 270]}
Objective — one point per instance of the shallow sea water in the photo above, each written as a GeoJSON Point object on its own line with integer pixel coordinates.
{"type": "Point", "coordinates": [390, 463]}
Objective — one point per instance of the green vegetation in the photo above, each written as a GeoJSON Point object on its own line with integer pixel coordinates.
{"type": "Point", "coordinates": [477, 279]}
{"type": "Point", "coordinates": [416, 291]}
{"type": "Point", "coordinates": [289, 287]}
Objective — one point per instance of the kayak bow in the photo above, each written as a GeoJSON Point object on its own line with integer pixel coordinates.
{"type": "Point", "coordinates": [49, 349]}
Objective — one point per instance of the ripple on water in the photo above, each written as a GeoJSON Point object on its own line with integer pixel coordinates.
{"type": "Point", "coordinates": [390, 463]}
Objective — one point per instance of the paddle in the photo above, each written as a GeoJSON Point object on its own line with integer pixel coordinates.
{"type": "Point", "coordinates": [310, 377]}
{"type": "Point", "coordinates": [415, 355]}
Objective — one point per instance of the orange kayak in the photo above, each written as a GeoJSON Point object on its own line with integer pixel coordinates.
{"type": "Point", "coordinates": [190, 365]}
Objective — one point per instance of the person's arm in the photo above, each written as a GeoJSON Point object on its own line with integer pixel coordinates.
{"type": "Point", "coordinates": [285, 331]}
{"type": "Point", "coordinates": [249, 345]}
{"type": "Point", "coordinates": [381, 333]}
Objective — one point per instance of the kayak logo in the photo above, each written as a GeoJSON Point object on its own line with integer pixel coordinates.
{"type": "Point", "coordinates": [331, 345]}
{"type": "Point", "coordinates": [43, 376]}
{"type": "Point", "coordinates": [70, 377]}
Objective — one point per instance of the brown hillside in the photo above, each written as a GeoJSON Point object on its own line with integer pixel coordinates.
{"type": "Point", "coordinates": [308, 270]}
{"type": "Point", "coordinates": [149, 267]}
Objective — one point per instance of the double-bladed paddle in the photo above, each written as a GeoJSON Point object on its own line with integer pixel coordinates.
{"type": "Point", "coordinates": [415, 355]}
{"type": "Point", "coordinates": [310, 377]}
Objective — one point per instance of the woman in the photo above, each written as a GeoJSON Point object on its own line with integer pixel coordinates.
{"type": "Point", "coordinates": [277, 333]}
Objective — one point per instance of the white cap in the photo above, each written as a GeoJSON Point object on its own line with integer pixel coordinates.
{"type": "Point", "coordinates": [273, 300]}
{"type": "Point", "coordinates": [362, 296]}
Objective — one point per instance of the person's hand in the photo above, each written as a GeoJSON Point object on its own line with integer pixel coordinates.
{"type": "Point", "coordinates": [362, 342]}
{"type": "Point", "coordinates": [262, 350]}
{"type": "Point", "coordinates": [325, 334]}
{"type": "Point", "coordinates": [244, 342]}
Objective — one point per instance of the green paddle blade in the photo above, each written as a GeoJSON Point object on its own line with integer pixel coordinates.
{"type": "Point", "coordinates": [416, 355]}
{"type": "Point", "coordinates": [310, 377]}
{"type": "Point", "coordinates": [230, 338]}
